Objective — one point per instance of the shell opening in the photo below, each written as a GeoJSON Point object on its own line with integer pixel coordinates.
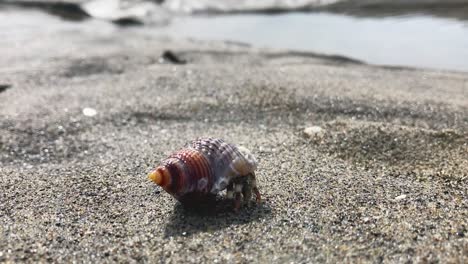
{"type": "Point", "coordinates": [248, 157]}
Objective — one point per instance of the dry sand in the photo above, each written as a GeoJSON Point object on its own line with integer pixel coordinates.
{"type": "Point", "coordinates": [385, 180]}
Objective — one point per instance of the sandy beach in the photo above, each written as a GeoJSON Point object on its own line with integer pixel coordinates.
{"type": "Point", "coordinates": [84, 117]}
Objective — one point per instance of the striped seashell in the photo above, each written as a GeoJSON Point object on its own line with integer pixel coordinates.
{"type": "Point", "coordinates": [206, 167]}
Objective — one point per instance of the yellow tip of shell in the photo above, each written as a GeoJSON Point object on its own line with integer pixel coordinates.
{"type": "Point", "coordinates": [156, 177]}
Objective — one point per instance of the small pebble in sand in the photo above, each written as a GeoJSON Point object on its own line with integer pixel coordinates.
{"type": "Point", "coordinates": [87, 111]}
{"type": "Point", "coordinates": [400, 197]}
{"type": "Point", "coordinates": [314, 131]}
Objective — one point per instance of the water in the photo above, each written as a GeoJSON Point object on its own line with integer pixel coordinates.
{"type": "Point", "coordinates": [411, 40]}
{"type": "Point", "coordinates": [415, 41]}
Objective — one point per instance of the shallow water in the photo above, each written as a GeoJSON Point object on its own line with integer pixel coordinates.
{"type": "Point", "coordinates": [416, 41]}
{"type": "Point", "coordinates": [410, 40]}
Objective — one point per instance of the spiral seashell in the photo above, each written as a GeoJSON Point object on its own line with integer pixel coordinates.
{"type": "Point", "coordinates": [206, 167]}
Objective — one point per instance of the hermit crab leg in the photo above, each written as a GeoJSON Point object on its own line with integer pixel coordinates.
{"type": "Point", "coordinates": [230, 191]}
{"type": "Point", "coordinates": [253, 187]}
{"type": "Point", "coordinates": [258, 197]}
{"type": "Point", "coordinates": [247, 192]}
{"type": "Point", "coordinates": [237, 200]}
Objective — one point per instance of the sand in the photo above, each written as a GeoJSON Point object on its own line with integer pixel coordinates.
{"type": "Point", "coordinates": [385, 180]}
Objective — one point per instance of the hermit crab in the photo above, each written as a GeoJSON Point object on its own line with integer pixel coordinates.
{"type": "Point", "coordinates": [204, 168]}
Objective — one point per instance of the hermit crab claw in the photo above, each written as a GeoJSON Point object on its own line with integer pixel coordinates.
{"type": "Point", "coordinates": [156, 177]}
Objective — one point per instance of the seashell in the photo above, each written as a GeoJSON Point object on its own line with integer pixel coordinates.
{"type": "Point", "coordinates": [206, 167]}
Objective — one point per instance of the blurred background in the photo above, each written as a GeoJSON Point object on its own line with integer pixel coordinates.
{"type": "Point", "coordinates": [413, 33]}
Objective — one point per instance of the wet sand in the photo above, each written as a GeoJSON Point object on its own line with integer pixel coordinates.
{"type": "Point", "coordinates": [385, 180]}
